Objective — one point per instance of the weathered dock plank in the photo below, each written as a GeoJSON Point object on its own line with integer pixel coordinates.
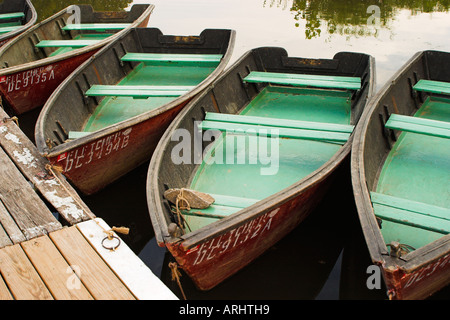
{"type": "Point", "coordinates": [4, 292]}
{"type": "Point", "coordinates": [28, 210]}
{"type": "Point", "coordinates": [50, 183]}
{"type": "Point", "coordinates": [19, 274]}
{"type": "Point", "coordinates": [98, 278]}
{"type": "Point", "coordinates": [58, 276]}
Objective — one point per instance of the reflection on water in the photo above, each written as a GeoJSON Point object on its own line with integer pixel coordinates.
{"type": "Point", "coordinates": [357, 18]}
{"type": "Point", "coordinates": [46, 8]}
{"type": "Point", "coordinates": [326, 257]}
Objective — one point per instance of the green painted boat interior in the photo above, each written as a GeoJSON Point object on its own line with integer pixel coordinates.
{"type": "Point", "coordinates": [413, 192]}
{"type": "Point", "coordinates": [245, 168]}
{"type": "Point", "coordinates": [114, 109]}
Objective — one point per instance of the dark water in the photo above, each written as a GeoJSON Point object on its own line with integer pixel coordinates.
{"type": "Point", "coordinates": [325, 258]}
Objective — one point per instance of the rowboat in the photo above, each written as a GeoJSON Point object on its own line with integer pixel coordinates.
{"type": "Point", "coordinates": [401, 177]}
{"type": "Point", "coordinates": [39, 59]}
{"type": "Point", "coordinates": [107, 117]}
{"type": "Point", "coordinates": [16, 16]}
{"type": "Point", "coordinates": [281, 127]}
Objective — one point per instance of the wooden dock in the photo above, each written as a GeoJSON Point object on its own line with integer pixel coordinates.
{"type": "Point", "coordinates": [75, 257]}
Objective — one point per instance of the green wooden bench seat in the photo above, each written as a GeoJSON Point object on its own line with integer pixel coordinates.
{"type": "Point", "coordinates": [12, 15]}
{"type": "Point", "coordinates": [419, 125]}
{"type": "Point", "coordinates": [282, 123]}
{"type": "Point", "coordinates": [281, 128]}
{"type": "Point", "coordinates": [8, 29]}
{"type": "Point", "coordinates": [165, 58]}
{"type": "Point", "coordinates": [304, 80]}
{"type": "Point", "coordinates": [96, 26]}
{"type": "Point", "coordinates": [222, 207]}
{"type": "Point", "coordinates": [78, 134]}
{"type": "Point", "coordinates": [66, 43]}
{"type": "Point", "coordinates": [412, 213]}
{"type": "Point", "coordinates": [433, 86]}
{"type": "Point", "coordinates": [138, 91]}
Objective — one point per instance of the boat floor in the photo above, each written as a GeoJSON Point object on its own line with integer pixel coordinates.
{"type": "Point", "coordinates": [418, 169]}
{"type": "Point", "coordinates": [255, 167]}
{"type": "Point", "coordinates": [115, 109]}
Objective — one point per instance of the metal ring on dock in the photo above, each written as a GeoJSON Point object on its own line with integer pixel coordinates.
{"type": "Point", "coordinates": [112, 248]}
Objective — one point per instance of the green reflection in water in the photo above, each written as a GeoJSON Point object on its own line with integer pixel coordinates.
{"type": "Point", "coordinates": [46, 8]}
{"type": "Point", "coordinates": [358, 18]}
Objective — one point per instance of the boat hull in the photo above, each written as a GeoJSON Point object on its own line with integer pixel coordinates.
{"type": "Point", "coordinates": [93, 165]}
{"type": "Point", "coordinates": [28, 86]}
{"type": "Point", "coordinates": [425, 270]}
{"type": "Point", "coordinates": [210, 263]}
{"type": "Point", "coordinates": [28, 89]}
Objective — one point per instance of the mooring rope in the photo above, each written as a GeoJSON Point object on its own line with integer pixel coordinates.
{"type": "Point", "coordinates": [176, 275]}
{"type": "Point", "coordinates": [180, 199]}
{"type": "Point", "coordinates": [15, 119]}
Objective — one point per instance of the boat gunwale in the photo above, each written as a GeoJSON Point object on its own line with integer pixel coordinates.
{"type": "Point", "coordinates": [24, 27]}
{"type": "Point", "coordinates": [111, 129]}
{"type": "Point", "coordinates": [240, 217]}
{"type": "Point", "coordinates": [76, 52]}
{"type": "Point", "coordinates": [378, 250]}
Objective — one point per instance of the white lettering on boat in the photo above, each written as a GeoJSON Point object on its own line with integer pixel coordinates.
{"type": "Point", "coordinates": [96, 150]}
{"type": "Point", "coordinates": [234, 238]}
{"type": "Point", "coordinates": [428, 270]}
{"type": "Point", "coordinates": [28, 78]}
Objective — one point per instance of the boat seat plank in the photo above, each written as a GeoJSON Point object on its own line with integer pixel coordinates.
{"type": "Point", "coordinates": [412, 213]}
{"type": "Point", "coordinates": [214, 211]}
{"type": "Point", "coordinates": [303, 80]}
{"type": "Point", "coordinates": [9, 29]}
{"type": "Point", "coordinates": [433, 86]}
{"type": "Point", "coordinates": [95, 26]}
{"type": "Point", "coordinates": [282, 123]}
{"type": "Point", "coordinates": [324, 136]}
{"type": "Point", "coordinates": [163, 58]}
{"type": "Point", "coordinates": [419, 125]}
{"type": "Point", "coordinates": [66, 43]}
{"type": "Point", "coordinates": [138, 91]}
{"type": "Point", "coordinates": [12, 15]}
{"type": "Point", "coordinates": [77, 134]}
{"type": "Point", "coordinates": [231, 201]}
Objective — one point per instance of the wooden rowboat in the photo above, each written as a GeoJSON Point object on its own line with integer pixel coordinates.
{"type": "Point", "coordinates": [16, 16]}
{"type": "Point", "coordinates": [108, 116]}
{"type": "Point", "coordinates": [301, 110]}
{"type": "Point", "coordinates": [39, 59]}
{"type": "Point", "coordinates": [401, 177]}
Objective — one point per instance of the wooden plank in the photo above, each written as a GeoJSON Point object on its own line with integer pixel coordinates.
{"type": "Point", "coordinates": [4, 291]}
{"type": "Point", "coordinates": [433, 86]}
{"type": "Point", "coordinates": [419, 125]}
{"type": "Point", "coordinates": [9, 225]}
{"type": "Point", "coordinates": [12, 15]}
{"type": "Point", "coordinates": [323, 136]}
{"type": "Point", "coordinates": [139, 279]}
{"type": "Point", "coordinates": [27, 209]}
{"type": "Point", "coordinates": [54, 270]}
{"type": "Point", "coordinates": [20, 276]}
{"type": "Point", "coordinates": [66, 43]}
{"type": "Point", "coordinates": [4, 238]}
{"type": "Point", "coordinates": [280, 123]}
{"type": "Point", "coordinates": [209, 60]}
{"type": "Point", "coordinates": [8, 29]}
{"type": "Point", "coordinates": [231, 201]}
{"type": "Point", "coordinates": [96, 26]}
{"type": "Point", "coordinates": [138, 91]}
{"type": "Point", "coordinates": [408, 205]}
{"type": "Point", "coordinates": [96, 275]}
{"type": "Point", "coordinates": [52, 185]}
{"type": "Point", "coordinates": [302, 80]}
